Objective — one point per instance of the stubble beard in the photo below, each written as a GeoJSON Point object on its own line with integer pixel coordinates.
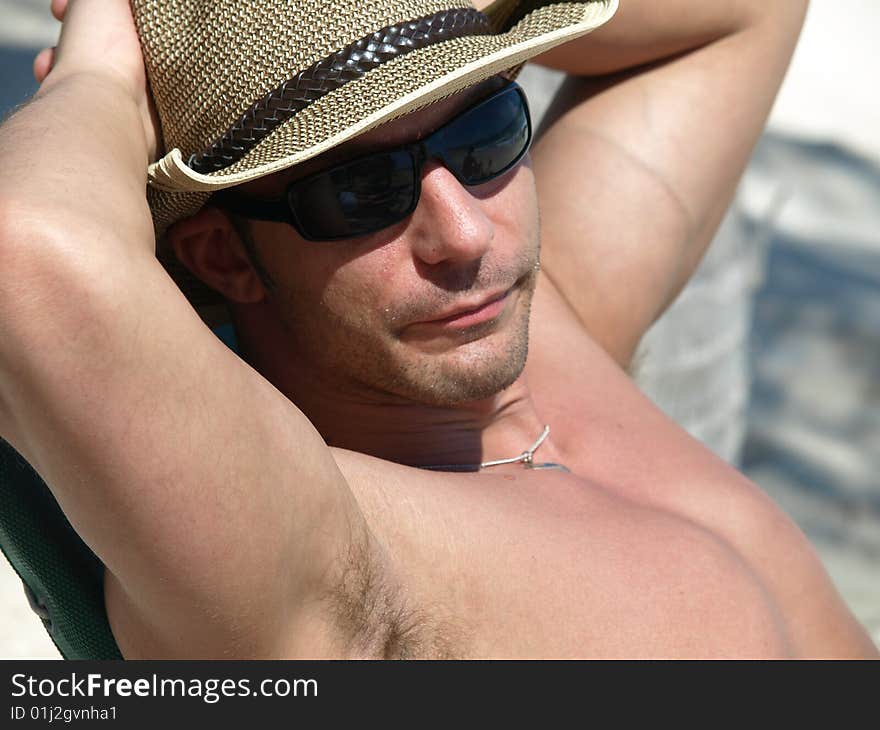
{"type": "Point", "coordinates": [473, 371]}
{"type": "Point", "coordinates": [352, 361]}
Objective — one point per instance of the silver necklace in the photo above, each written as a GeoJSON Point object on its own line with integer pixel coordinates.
{"type": "Point", "coordinates": [526, 458]}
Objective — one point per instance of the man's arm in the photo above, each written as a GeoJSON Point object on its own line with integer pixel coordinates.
{"type": "Point", "coordinates": [643, 148]}
{"type": "Point", "coordinates": [215, 505]}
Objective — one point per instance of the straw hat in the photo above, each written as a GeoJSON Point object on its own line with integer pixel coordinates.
{"type": "Point", "coordinates": [245, 89]}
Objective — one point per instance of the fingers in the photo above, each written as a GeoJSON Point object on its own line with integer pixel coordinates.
{"type": "Point", "coordinates": [59, 7]}
{"type": "Point", "coordinates": [43, 64]}
{"type": "Point", "coordinates": [46, 58]}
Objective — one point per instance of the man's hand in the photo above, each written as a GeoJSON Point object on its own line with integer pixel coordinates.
{"type": "Point", "coordinates": [98, 38]}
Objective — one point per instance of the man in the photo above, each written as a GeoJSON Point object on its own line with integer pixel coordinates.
{"type": "Point", "coordinates": [335, 496]}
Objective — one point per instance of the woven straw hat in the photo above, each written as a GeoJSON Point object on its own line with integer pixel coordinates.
{"type": "Point", "coordinates": [245, 89]}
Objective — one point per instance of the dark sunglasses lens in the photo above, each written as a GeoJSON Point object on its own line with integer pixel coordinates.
{"type": "Point", "coordinates": [357, 198]}
{"type": "Point", "coordinates": [487, 140]}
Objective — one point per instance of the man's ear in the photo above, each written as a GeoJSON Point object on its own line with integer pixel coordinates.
{"type": "Point", "coordinates": [209, 246]}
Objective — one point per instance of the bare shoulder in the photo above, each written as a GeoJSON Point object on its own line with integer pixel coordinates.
{"type": "Point", "coordinates": [619, 439]}
{"type": "Point", "coordinates": [817, 621]}
{"type": "Point", "coordinates": [747, 579]}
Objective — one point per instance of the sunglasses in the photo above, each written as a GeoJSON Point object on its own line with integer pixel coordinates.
{"type": "Point", "coordinates": [370, 193]}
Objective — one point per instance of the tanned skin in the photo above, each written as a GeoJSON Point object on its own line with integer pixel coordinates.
{"type": "Point", "coordinates": [272, 506]}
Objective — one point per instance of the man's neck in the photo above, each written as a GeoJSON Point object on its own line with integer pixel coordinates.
{"type": "Point", "coordinates": [421, 435]}
{"type": "Point", "coordinates": [403, 431]}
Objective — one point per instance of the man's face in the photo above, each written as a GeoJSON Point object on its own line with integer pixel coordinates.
{"type": "Point", "coordinates": [435, 308]}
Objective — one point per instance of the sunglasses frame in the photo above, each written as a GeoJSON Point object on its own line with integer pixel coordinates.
{"type": "Point", "coordinates": [283, 210]}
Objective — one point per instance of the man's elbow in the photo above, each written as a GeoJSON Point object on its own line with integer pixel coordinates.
{"type": "Point", "coordinates": [31, 249]}
{"type": "Point", "coordinates": [790, 13]}
{"type": "Point", "coordinates": [50, 284]}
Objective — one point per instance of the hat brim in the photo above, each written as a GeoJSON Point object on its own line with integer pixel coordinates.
{"type": "Point", "coordinates": [394, 89]}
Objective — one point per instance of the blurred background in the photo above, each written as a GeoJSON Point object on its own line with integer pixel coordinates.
{"type": "Point", "coordinates": [771, 356]}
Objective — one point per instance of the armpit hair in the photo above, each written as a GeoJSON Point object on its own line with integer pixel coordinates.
{"type": "Point", "coordinates": [376, 619]}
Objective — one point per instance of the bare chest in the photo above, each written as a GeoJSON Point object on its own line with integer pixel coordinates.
{"type": "Point", "coordinates": [544, 564]}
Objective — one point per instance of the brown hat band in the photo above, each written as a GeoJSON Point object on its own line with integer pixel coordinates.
{"type": "Point", "coordinates": [328, 74]}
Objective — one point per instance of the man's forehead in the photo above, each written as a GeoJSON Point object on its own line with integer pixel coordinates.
{"type": "Point", "coordinates": [399, 131]}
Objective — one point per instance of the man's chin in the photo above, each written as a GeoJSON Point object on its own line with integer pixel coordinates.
{"type": "Point", "coordinates": [470, 372]}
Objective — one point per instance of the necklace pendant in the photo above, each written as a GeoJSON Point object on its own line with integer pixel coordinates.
{"type": "Point", "coordinates": [549, 465]}
{"type": "Point", "coordinates": [526, 458]}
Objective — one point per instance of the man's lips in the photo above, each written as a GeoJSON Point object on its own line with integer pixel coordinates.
{"type": "Point", "coordinates": [469, 314]}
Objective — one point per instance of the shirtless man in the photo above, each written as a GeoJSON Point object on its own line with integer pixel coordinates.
{"type": "Point", "coordinates": [230, 528]}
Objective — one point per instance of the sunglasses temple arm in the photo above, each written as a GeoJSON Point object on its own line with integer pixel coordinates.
{"type": "Point", "coordinates": [264, 210]}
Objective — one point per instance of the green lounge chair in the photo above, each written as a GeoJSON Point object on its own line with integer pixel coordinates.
{"type": "Point", "coordinates": [62, 577]}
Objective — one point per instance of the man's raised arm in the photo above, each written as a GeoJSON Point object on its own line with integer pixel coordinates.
{"type": "Point", "coordinates": [217, 508]}
{"type": "Point", "coordinates": [641, 155]}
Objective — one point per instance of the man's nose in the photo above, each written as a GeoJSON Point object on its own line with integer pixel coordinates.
{"type": "Point", "coordinates": [449, 223]}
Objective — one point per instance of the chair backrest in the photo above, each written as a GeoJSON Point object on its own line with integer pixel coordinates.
{"type": "Point", "coordinates": [63, 578]}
